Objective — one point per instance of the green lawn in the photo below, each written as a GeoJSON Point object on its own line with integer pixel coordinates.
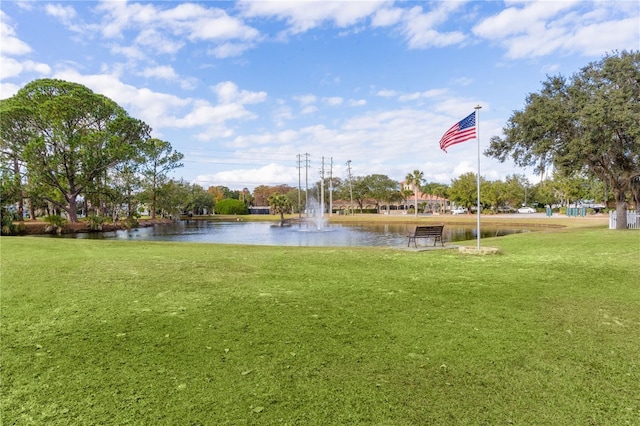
{"type": "Point", "coordinates": [112, 332]}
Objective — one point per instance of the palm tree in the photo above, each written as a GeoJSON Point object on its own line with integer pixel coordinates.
{"type": "Point", "coordinates": [415, 179]}
{"type": "Point", "coordinates": [280, 204]}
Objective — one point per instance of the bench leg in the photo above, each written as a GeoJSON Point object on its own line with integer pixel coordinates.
{"type": "Point", "coordinates": [409, 237]}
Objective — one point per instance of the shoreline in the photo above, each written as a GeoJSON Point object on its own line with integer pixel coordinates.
{"type": "Point", "coordinates": [38, 227]}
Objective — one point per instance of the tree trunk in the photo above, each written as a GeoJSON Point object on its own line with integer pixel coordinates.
{"type": "Point", "coordinates": [621, 209]}
{"type": "Point", "coordinates": [16, 174]}
{"type": "Point", "coordinates": [635, 192]}
{"type": "Point", "coordinates": [73, 207]}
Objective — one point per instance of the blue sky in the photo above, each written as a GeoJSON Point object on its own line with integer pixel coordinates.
{"type": "Point", "coordinates": [241, 88]}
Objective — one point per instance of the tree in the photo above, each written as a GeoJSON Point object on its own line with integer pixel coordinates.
{"type": "Point", "coordinates": [635, 191]}
{"type": "Point", "coordinates": [280, 204]}
{"type": "Point", "coordinates": [231, 206]}
{"type": "Point", "coordinates": [217, 192]}
{"type": "Point", "coordinates": [493, 193]}
{"type": "Point", "coordinates": [359, 191]}
{"type": "Point", "coordinates": [381, 188]}
{"type": "Point", "coordinates": [439, 190]}
{"type": "Point", "coordinates": [173, 198]}
{"type": "Point", "coordinates": [158, 159]}
{"type": "Point", "coordinates": [200, 201]}
{"type": "Point", "coordinates": [415, 179]}
{"type": "Point", "coordinates": [261, 194]}
{"type": "Point", "coordinates": [13, 139]}
{"type": "Point", "coordinates": [464, 190]}
{"type": "Point", "coordinates": [71, 137]}
{"type": "Point", "coordinates": [516, 187]}
{"type": "Point", "coordinates": [590, 123]}
{"type": "Point", "coordinates": [125, 184]}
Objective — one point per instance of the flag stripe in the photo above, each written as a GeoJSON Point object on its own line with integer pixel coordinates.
{"type": "Point", "coordinates": [460, 132]}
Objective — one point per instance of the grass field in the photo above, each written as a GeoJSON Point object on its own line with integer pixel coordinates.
{"type": "Point", "coordinates": [111, 332]}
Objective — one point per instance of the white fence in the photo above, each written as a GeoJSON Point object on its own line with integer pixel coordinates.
{"type": "Point", "coordinates": [633, 219]}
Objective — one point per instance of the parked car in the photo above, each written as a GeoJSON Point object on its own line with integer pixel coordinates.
{"type": "Point", "coordinates": [459, 210]}
{"type": "Point", "coordinates": [526, 210]}
{"type": "Point", "coordinates": [506, 209]}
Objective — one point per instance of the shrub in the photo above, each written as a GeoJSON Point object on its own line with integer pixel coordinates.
{"type": "Point", "coordinates": [56, 223]}
{"type": "Point", "coordinates": [230, 206]}
{"type": "Point", "coordinates": [8, 228]}
{"type": "Point", "coordinates": [131, 221]}
{"type": "Point", "coordinates": [95, 222]}
{"type": "Point", "coordinates": [55, 220]}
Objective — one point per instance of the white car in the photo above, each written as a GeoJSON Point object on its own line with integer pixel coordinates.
{"type": "Point", "coordinates": [459, 210]}
{"type": "Point", "coordinates": [526, 210]}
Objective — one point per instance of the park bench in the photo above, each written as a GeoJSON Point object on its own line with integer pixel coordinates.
{"type": "Point", "coordinates": [431, 231]}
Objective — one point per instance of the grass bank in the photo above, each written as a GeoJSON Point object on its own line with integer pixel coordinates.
{"type": "Point", "coordinates": [111, 332]}
{"type": "Point", "coordinates": [513, 220]}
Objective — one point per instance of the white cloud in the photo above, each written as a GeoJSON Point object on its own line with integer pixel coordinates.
{"type": "Point", "coordinates": [64, 13]}
{"type": "Point", "coordinates": [302, 16]}
{"type": "Point", "coordinates": [215, 24]}
{"type": "Point", "coordinates": [596, 39]}
{"type": "Point", "coordinates": [166, 30]}
{"type": "Point", "coordinates": [229, 50]}
{"type": "Point", "coordinates": [163, 72]}
{"type": "Point", "coordinates": [271, 174]}
{"type": "Point", "coordinates": [520, 20]}
{"type": "Point", "coordinates": [159, 110]}
{"type": "Point", "coordinates": [309, 109]}
{"type": "Point", "coordinates": [130, 52]}
{"type": "Point", "coordinates": [11, 44]}
{"type": "Point", "coordinates": [385, 93]}
{"type": "Point", "coordinates": [357, 102]}
{"type": "Point", "coordinates": [282, 114]}
{"type": "Point", "coordinates": [419, 27]}
{"type": "Point", "coordinates": [463, 81]}
{"type": "Point", "coordinates": [167, 73]}
{"type": "Point", "coordinates": [203, 114]}
{"type": "Point", "coordinates": [152, 40]}
{"type": "Point", "coordinates": [422, 95]}
{"type": "Point", "coordinates": [333, 100]}
{"type": "Point", "coordinates": [540, 28]}
{"type": "Point", "coordinates": [12, 68]}
{"type": "Point", "coordinates": [466, 166]}
{"type": "Point", "coordinates": [228, 92]}
{"type": "Point", "coordinates": [306, 99]}
{"type": "Point", "coordinates": [387, 17]}
{"type": "Point", "coordinates": [7, 90]}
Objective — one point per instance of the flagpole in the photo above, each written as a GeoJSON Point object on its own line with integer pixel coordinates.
{"type": "Point", "coordinates": [477, 108]}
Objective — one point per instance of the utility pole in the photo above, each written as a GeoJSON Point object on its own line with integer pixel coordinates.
{"type": "Point", "coordinates": [299, 167]}
{"type": "Point", "coordinates": [306, 184]}
{"type": "Point", "coordinates": [350, 186]}
{"type": "Point", "coordinates": [322, 189]}
{"type": "Point", "coordinates": [331, 188]}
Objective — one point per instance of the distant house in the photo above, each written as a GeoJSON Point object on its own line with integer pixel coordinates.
{"type": "Point", "coordinates": [259, 210]}
{"type": "Point", "coordinates": [427, 203]}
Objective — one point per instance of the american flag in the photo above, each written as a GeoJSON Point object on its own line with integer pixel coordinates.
{"type": "Point", "coordinates": [462, 131]}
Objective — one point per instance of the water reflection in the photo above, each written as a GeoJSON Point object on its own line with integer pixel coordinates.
{"type": "Point", "coordinates": [261, 233]}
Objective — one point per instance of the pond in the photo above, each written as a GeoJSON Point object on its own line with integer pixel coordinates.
{"type": "Point", "coordinates": [263, 233]}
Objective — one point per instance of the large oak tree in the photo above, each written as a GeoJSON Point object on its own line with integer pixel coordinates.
{"type": "Point", "coordinates": [71, 136]}
{"type": "Point", "coordinates": [589, 123]}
